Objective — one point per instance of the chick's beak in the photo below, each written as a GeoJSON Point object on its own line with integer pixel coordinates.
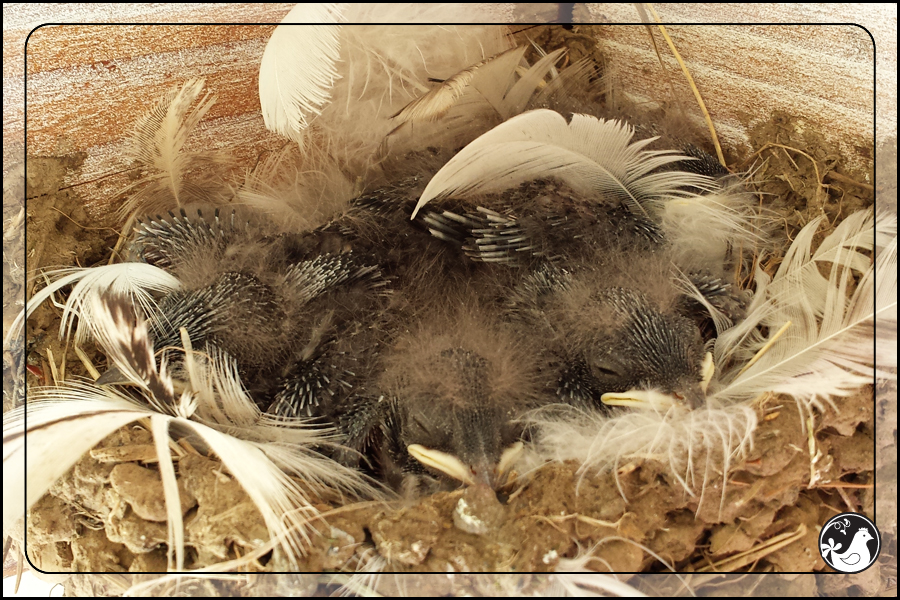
{"type": "Point", "coordinates": [694, 396]}
{"type": "Point", "coordinates": [691, 393]}
{"type": "Point", "coordinates": [481, 472]}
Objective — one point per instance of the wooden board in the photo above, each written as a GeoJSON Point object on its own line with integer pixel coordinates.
{"type": "Point", "coordinates": [88, 83]}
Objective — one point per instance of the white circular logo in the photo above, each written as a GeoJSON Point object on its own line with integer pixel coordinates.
{"type": "Point", "coordinates": [849, 543]}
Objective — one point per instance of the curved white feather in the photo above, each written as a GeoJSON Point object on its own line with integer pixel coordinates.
{"type": "Point", "coordinates": [593, 156]}
{"type": "Point", "coordinates": [827, 350]}
{"type": "Point", "coordinates": [299, 68]}
{"type": "Point", "coordinates": [63, 424]}
{"type": "Point", "coordinates": [885, 279]}
{"type": "Point", "coordinates": [137, 281]}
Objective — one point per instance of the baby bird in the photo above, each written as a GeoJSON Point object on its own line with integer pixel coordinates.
{"type": "Point", "coordinates": [537, 221]}
{"type": "Point", "coordinates": [245, 290]}
{"type": "Point", "coordinates": [615, 328]}
{"type": "Point", "coordinates": [448, 399]}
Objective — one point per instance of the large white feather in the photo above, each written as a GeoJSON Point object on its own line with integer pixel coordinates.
{"type": "Point", "coordinates": [299, 68]}
{"type": "Point", "coordinates": [137, 281]}
{"type": "Point", "coordinates": [593, 156]}
{"type": "Point", "coordinates": [63, 424]}
{"type": "Point", "coordinates": [827, 350]}
{"type": "Point", "coordinates": [352, 78]}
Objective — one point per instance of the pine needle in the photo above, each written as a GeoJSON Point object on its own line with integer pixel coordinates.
{"type": "Point", "coordinates": [86, 361]}
{"type": "Point", "coordinates": [738, 561]}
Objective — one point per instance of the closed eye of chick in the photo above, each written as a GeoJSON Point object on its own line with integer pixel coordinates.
{"type": "Point", "coordinates": [452, 389]}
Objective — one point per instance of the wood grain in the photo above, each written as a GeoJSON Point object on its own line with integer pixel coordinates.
{"type": "Point", "coordinates": [88, 83]}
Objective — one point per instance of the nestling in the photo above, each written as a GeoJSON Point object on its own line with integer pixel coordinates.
{"type": "Point", "coordinates": [449, 396]}
{"type": "Point", "coordinates": [244, 290]}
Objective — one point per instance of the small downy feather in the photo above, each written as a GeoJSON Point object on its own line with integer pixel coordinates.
{"type": "Point", "coordinates": [263, 454]}
{"type": "Point", "coordinates": [299, 193]}
{"type": "Point", "coordinates": [158, 145]}
{"type": "Point", "coordinates": [590, 155]}
{"type": "Point", "coordinates": [704, 230]}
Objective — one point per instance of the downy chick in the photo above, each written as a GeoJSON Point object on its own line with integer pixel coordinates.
{"type": "Point", "coordinates": [244, 290]}
{"type": "Point", "coordinates": [616, 329]}
{"type": "Point", "coordinates": [448, 399]}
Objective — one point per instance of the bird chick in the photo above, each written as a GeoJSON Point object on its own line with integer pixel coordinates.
{"type": "Point", "coordinates": [537, 221]}
{"type": "Point", "coordinates": [244, 291]}
{"type": "Point", "coordinates": [451, 392]}
{"type": "Point", "coordinates": [617, 330]}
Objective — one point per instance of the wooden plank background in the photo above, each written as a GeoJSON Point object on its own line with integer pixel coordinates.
{"type": "Point", "coordinates": [87, 84]}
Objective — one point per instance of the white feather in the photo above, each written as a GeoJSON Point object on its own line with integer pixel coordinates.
{"type": "Point", "coordinates": [263, 454]}
{"type": "Point", "coordinates": [593, 156]}
{"type": "Point", "coordinates": [67, 421]}
{"type": "Point", "coordinates": [63, 424]}
{"type": "Point", "coordinates": [138, 281]}
{"type": "Point", "coordinates": [299, 68]}
{"type": "Point", "coordinates": [471, 102]}
{"type": "Point", "coordinates": [385, 67]}
{"type": "Point", "coordinates": [704, 230]}
{"type": "Point", "coordinates": [159, 425]}
{"type": "Point", "coordinates": [494, 81]}
{"type": "Point", "coordinates": [696, 445]}
{"type": "Point", "coordinates": [828, 348]}
{"type": "Point", "coordinates": [435, 104]}
{"type": "Point", "coordinates": [158, 145]}
{"type": "Point", "coordinates": [349, 96]}
{"type": "Point", "coordinates": [885, 279]}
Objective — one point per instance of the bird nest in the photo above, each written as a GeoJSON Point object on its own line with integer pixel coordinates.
{"type": "Point", "coordinates": [762, 514]}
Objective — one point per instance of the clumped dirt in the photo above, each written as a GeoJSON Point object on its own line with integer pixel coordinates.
{"type": "Point", "coordinates": [800, 177]}
{"type": "Point", "coordinates": [60, 234]}
{"type": "Point", "coordinates": [107, 514]}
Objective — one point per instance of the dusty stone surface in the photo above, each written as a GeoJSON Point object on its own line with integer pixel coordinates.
{"type": "Point", "coordinates": [142, 489]}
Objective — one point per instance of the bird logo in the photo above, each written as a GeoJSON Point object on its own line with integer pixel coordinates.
{"type": "Point", "coordinates": [859, 553]}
